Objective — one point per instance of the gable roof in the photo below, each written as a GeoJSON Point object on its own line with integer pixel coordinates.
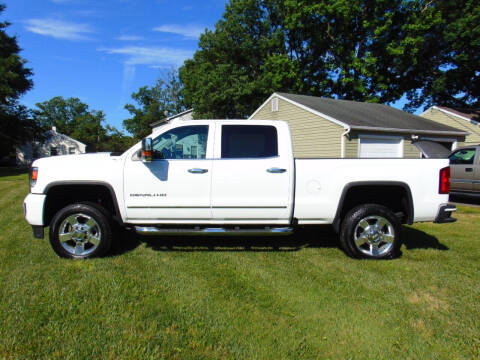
{"type": "Point", "coordinates": [472, 115]}
{"type": "Point", "coordinates": [368, 116]}
{"type": "Point", "coordinates": [50, 134]}
{"type": "Point", "coordinates": [167, 119]}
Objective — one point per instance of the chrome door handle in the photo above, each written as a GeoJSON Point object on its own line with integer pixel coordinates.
{"type": "Point", "coordinates": [197, 171]}
{"type": "Point", "coordinates": [275, 170]}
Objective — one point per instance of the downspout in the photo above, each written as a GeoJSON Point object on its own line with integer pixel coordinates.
{"type": "Point", "coordinates": [342, 139]}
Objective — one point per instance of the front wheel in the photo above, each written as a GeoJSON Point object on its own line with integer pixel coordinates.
{"type": "Point", "coordinates": [80, 231]}
{"type": "Point", "coordinates": [371, 231]}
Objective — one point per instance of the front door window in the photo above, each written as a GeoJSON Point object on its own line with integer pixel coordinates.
{"type": "Point", "coordinates": [185, 142]}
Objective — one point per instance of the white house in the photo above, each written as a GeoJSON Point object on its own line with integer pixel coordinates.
{"type": "Point", "coordinates": [54, 144]}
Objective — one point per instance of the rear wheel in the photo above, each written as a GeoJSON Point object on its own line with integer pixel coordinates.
{"type": "Point", "coordinates": [80, 231]}
{"type": "Point", "coordinates": [371, 231]}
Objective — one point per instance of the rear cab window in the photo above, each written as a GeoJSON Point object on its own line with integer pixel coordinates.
{"type": "Point", "coordinates": [249, 141]}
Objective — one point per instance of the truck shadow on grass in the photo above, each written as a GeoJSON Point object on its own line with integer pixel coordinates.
{"type": "Point", "coordinates": [324, 237]}
{"type": "Point", "coordinates": [416, 239]}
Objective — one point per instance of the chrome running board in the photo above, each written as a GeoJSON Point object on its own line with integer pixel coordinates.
{"type": "Point", "coordinates": [152, 230]}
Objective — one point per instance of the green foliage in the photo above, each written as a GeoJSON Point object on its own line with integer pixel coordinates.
{"type": "Point", "coordinates": [452, 79]}
{"type": "Point", "coordinates": [16, 124]}
{"type": "Point", "coordinates": [14, 76]}
{"type": "Point", "coordinates": [374, 51]}
{"type": "Point", "coordinates": [155, 103]}
{"type": "Point", "coordinates": [72, 117]}
{"type": "Point", "coordinates": [240, 62]}
{"type": "Point", "coordinates": [116, 141]}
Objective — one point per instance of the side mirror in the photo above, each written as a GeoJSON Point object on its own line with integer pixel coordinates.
{"type": "Point", "coordinates": [147, 146]}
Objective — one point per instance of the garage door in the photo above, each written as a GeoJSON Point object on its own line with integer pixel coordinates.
{"type": "Point", "coordinates": [378, 147]}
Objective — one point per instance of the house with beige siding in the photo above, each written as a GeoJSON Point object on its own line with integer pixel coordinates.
{"type": "Point", "coordinates": [462, 119]}
{"type": "Point", "coordinates": [332, 128]}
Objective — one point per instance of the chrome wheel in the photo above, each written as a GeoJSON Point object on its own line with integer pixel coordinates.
{"type": "Point", "coordinates": [374, 235]}
{"type": "Point", "coordinates": [79, 234]}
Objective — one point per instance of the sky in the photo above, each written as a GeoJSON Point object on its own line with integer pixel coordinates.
{"type": "Point", "coordinates": [102, 51]}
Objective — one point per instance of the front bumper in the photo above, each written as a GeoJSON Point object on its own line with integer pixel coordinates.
{"type": "Point", "coordinates": [33, 208]}
{"type": "Point", "coordinates": [445, 213]}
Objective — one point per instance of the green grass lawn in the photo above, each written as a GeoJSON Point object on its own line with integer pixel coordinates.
{"type": "Point", "coordinates": [241, 298]}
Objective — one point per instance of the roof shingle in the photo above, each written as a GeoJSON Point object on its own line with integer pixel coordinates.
{"type": "Point", "coordinates": [360, 115]}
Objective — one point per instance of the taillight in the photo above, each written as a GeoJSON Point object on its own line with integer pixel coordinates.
{"type": "Point", "coordinates": [444, 187]}
{"type": "Point", "coordinates": [33, 176]}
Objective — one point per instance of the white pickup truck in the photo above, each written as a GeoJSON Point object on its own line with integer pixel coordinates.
{"type": "Point", "coordinates": [231, 177]}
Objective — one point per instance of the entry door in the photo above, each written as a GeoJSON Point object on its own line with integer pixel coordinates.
{"type": "Point", "coordinates": [462, 166]}
{"type": "Point", "coordinates": [250, 180]}
{"type": "Point", "coordinates": [175, 185]}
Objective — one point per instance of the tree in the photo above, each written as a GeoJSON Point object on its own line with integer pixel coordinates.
{"type": "Point", "coordinates": [64, 114]}
{"type": "Point", "coordinates": [17, 127]}
{"type": "Point", "coordinates": [16, 123]}
{"type": "Point", "coordinates": [116, 141]}
{"type": "Point", "coordinates": [72, 117]}
{"type": "Point", "coordinates": [242, 60]}
{"type": "Point", "coordinates": [157, 102]}
{"type": "Point", "coordinates": [362, 50]}
{"type": "Point", "coordinates": [453, 77]}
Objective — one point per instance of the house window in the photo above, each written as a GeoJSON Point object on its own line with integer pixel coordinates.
{"type": "Point", "coordinates": [274, 104]}
{"type": "Point", "coordinates": [53, 151]}
{"type": "Point", "coordinates": [71, 150]}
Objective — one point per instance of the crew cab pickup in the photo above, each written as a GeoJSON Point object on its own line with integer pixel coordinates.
{"type": "Point", "coordinates": [231, 177]}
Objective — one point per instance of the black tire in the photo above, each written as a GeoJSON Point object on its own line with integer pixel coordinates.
{"type": "Point", "coordinates": [371, 231]}
{"type": "Point", "coordinates": [94, 231]}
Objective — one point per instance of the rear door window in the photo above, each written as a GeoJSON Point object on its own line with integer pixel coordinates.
{"type": "Point", "coordinates": [249, 141]}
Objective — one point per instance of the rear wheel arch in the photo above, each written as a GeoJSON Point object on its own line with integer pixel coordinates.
{"type": "Point", "coordinates": [394, 195]}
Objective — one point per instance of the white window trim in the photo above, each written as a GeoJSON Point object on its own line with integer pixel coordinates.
{"type": "Point", "coordinates": [381, 137]}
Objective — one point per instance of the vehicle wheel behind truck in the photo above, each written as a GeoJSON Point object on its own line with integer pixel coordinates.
{"type": "Point", "coordinates": [371, 231]}
{"type": "Point", "coordinates": [80, 231]}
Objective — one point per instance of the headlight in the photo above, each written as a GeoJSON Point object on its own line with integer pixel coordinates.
{"type": "Point", "coordinates": [33, 176]}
